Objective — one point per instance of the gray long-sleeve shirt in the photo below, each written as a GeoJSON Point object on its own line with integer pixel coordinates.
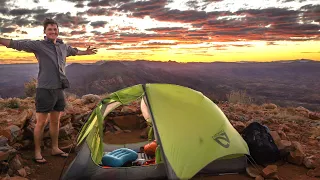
{"type": "Point", "coordinates": [51, 58]}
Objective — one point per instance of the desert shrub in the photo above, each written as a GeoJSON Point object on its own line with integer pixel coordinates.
{"type": "Point", "coordinates": [239, 97]}
{"type": "Point", "coordinates": [12, 103]}
{"type": "Point", "coordinates": [286, 115]}
{"type": "Point", "coordinates": [2, 103]}
{"type": "Point", "coordinates": [105, 95]}
{"type": "Point", "coordinates": [269, 106]}
{"type": "Point", "coordinates": [70, 96]}
{"type": "Point", "coordinates": [90, 98]}
{"type": "Point", "coordinates": [30, 88]}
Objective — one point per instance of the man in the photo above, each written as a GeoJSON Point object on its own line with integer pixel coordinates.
{"type": "Point", "coordinates": [51, 54]}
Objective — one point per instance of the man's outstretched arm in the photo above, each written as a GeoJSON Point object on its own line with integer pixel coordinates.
{"type": "Point", "coordinates": [5, 42]}
{"type": "Point", "coordinates": [20, 45]}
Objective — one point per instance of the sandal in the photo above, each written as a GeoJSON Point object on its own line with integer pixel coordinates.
{"type": "Point", "coordinates": [40, 160]}
{"type": "Point", "coordinates": [62, 154]}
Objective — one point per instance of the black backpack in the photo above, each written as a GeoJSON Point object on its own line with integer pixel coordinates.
{"type": "Point", "coordinates": [261, 144]}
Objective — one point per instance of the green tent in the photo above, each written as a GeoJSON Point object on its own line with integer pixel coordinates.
{"type": "Point", "coordinates": [193, 134]}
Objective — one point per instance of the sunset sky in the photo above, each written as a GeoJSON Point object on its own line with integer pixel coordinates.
{"type": "Point", "coordinates": [162, 30]}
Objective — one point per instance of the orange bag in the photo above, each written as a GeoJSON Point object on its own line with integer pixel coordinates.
{"type": "Point", "coordinates": [150, 149]}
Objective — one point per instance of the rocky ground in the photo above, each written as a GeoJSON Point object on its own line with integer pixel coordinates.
{"type": "Point", "coordinates": [295, 130]}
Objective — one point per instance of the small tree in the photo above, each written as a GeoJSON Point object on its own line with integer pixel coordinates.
{"type": "Point", "coordinates": [30, 88]}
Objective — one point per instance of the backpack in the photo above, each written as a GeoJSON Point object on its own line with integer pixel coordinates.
{"type": "Point", "coordinates": [261, 144]}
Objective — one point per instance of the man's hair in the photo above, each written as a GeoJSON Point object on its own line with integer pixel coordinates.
{"type": "Point", "coordinates": [48, 21]}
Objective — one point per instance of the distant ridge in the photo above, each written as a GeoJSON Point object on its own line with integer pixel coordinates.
{"type": "Point", "coordinates": [287, 83]}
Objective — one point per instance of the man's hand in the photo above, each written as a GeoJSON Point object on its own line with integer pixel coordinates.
{"type": "Point", "coordinates": [90, 51]}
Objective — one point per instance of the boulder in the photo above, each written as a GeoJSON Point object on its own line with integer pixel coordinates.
{"type": "Point", "coordinates": [90, 98]}
{"type": "Point", "coordinates": [296, 157]}
{"type": "Point", "coordinates": [22, 172]}
{"type": "Point", "coordinates": [129, 109]}
{"type": "Point", "coordinates": [66, 130]}
{"type": "Point", "coordinates": [275, 136]}
{"type": "Point", "coordinates": [15, 132]}
{"type": "Point", "coordinates": [65, 119]}
{"type": "Point", "coordinates": [293, 136]}
{"type": "Point", "coordinates": [314, 116]}
{"type": "Point", "coordinates": [4, 155]}
{"type": "Point", "coordinates": [284, 128]}
{"type": "Point", "coordinates": [314, 173]}
{"type": "Point", "coordinates": [28, 170]}
{"type": "Point", "coordinates": [297, 146]}
{"type": "Point", "coordinates": [285, 145]}
{"type": "Point", "coordinates": [303, 111]}
{"type": "Point", "coordinates": [22, 119]}
{"type": "Point", "coordinates": [282, 135]}
{"type": "Point", "coordinates": [310, 162]}
{"type": "Point", "coordinates": [129, 122]}
{"type": "Point", "coordinates": [5, 133]}
{"type": "Point", "coordinates": [252, 172]}
{"type": "Point", "coordinates": [269, 171]}
{"type": "Point", "coordinates": [15, 164]}
{"type": "Point", "coordinates": [3, 141]}
{"type": "Point", "coordinates": [7, 152]}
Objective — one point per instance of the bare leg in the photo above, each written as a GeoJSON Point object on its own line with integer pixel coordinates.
{"type": "Point", "coordinates": [38, 134]}
{"type": "Point", "coordinates": [54, 133]}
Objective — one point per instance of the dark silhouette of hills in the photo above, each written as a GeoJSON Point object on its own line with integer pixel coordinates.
{"type": "Point", "coordinates": [13, 77]}
{"type": "Point", "coordinates": [287, 83]}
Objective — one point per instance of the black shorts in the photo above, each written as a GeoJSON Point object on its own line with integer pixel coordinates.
{"type": "Point", "coordinates": [48, 100]}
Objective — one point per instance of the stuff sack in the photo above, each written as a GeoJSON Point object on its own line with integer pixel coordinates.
{"type": "Point", "coordinates": [261, 144]}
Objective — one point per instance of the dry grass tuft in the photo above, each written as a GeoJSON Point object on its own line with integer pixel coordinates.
{"type": "Point", "coordinates": [269, 106]}
{"type": "Point", "coordinates": [239, 97]}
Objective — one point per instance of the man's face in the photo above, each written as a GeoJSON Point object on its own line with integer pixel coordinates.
{"type": "Point", "coordinates": [52, 31]}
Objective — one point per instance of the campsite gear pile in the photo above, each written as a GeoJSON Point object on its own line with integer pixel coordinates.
{"type": "Point", "coordinates": [125, 157]}
{"type": "Point", "coordinates": [194, 139]}
{"type": "Point", "coordinates": [175, 135]}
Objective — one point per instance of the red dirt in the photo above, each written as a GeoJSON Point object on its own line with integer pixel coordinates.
{"type": "Point", "coordinates": [123, 138]}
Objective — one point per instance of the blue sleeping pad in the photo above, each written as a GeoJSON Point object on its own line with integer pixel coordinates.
{"type": "Point", "coordinates": [119, 157]}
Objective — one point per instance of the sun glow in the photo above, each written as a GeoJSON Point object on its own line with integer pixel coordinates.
{"type": "Point", "coordinates": [179, 30]}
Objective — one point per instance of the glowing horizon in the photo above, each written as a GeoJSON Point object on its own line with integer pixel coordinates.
{"type": "Point", "coordinates": [163, 30]}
